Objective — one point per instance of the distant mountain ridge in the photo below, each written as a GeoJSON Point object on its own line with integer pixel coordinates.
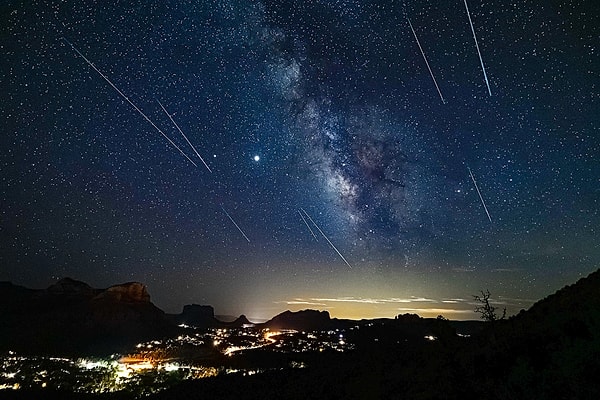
{"type": "Point", "coordinates": [72, 317]}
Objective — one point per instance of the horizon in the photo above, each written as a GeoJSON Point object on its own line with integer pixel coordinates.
{"type": "Point", "coordinates": [367, 159]}
{"type": "Point", "coordinates": [454, 314]}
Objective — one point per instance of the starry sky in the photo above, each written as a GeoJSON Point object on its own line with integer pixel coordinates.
{"type": "Point", "coordinates": [343, 161]}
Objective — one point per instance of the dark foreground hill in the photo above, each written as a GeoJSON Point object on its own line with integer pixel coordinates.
{"type": "Point", "coordinates": [551, 351]}
{"type": "Point", "coordinates": [70, 317]}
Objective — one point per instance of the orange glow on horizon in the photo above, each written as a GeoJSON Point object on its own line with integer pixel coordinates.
{"type": "Point", "coordinates": [371, 310]}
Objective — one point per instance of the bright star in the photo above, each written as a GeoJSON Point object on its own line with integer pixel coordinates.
{"type": "Point", "coordinates": [257, 158]}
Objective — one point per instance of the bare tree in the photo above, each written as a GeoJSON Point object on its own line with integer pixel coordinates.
{"type": "Point", "coordinates": [487, 311]}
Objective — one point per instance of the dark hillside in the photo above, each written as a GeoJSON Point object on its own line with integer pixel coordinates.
{"type": "Point", "coordinates": [71, 318]}
{"type": "Point", "coordinates": [550, 351]}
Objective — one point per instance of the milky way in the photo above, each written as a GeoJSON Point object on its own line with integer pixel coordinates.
{"type": "Point", "coordinates": [321, 106]}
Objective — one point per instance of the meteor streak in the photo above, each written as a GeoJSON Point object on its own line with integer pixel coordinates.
{"type": "Point", "coordinates": [326, 238]}
{"type": "Point", "coordinates": [479, 193]}
{"type": "Point", "coordinates": [308, 226]}
{"type": "Point", "coordinates": [478, 52]}
{"type": "Point", "coordinates": [236, 225]}
{"type": "Point", "coordinates": [129, 101]}
{"type": "Point", "coordinates": [426, 62]}
{"type": "Point", "coordinates": [183, 134]}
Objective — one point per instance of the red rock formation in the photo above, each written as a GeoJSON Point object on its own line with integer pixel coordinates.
{"type": "Point", "coordinates": [131, 292]}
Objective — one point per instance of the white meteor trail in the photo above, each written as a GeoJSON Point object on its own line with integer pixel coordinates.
{"type": "Point", "coordinates": [185, 137]}
{"type": "Point", "coordinates": [479, 193]}
{"type": "Point", "coordinates": [129, 101]}
{"type": "Point", "coordinates": [326, 238]}
{"type": "Point", "coordinates": [478, 52]}
{"type": "Point", "coordinates": [236, 225]}
{"type": "Point", "coordinates": [308, 226]}
{"type": "Point", "coordinates": [426, 62]}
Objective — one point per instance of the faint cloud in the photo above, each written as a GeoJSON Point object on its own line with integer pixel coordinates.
{"type": "Point", "coordinates": [454, 301]}
{"type": "Point", "coordinates": [414, 299]}
{"type": "Point", "coordinates": [350, 300]}
{"type": "Point", "coordinates": [517, 301]}
{"type": "Point", "coordinates": [307, 303]}
{"type": "Point", "coordinates": [435, 310]}
{"type": "Point", "coordinates": [506, 270]}
{"type": "Point", "coordinates": [463, 269]}
{"type": "Point", "coordinates": [301, 302]}
{"type": "Point", "coordinates": [392, 300]}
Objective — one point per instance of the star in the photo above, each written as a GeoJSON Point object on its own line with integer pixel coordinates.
{"type": "Point", "coordinates": [356, 135]}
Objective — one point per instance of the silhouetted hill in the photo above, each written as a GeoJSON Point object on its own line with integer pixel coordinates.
{"type": "Point", "coordinates": [240, 321]}
{"type": "Point", "coordinates": [203, 316]}
{"type": "Point", "coordinates": [548, 351]}
{"type": "Point", "coordinates": [70, 317]}
{"type": "Point", "coordinates": [196, 315]}
{"type": "Point", "coordinates": [306, 320]}
{"type": "Point", "coordinates": [572, 310]}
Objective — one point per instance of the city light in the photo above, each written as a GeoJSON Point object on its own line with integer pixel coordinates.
{"type": "Point", "coordinates": [162, 362]}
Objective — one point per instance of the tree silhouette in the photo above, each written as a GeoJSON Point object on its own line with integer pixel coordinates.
{"type": "Point", "coordinates": [487, 311]}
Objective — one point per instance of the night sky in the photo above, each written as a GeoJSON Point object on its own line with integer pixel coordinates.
{"type": "Point", "coordinates": [302, 109]}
